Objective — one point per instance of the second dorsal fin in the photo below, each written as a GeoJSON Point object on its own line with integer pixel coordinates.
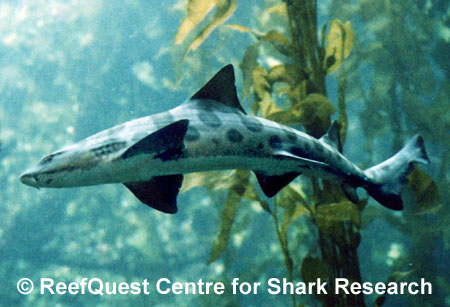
{"type": "Point", "coordinates": [221, 88]}
{"type": "Point", "coordinates": [332, 137]}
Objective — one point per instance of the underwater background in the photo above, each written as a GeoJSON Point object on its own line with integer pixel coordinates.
{"type": "Point", "coordinates": [69, 69]}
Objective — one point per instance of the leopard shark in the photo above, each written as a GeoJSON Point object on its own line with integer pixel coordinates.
{"type": "Point", "coordinates": [211, 131]}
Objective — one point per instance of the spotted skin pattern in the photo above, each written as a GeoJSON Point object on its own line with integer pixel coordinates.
{"type": "Point", "coordinates": [211, 131]}
{"type": "Point", "coordinates": [238, 140]}
{"type": "Point", "coordinates": [234, 136]}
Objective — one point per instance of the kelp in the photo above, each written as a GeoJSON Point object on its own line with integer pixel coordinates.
{"type": "Point", "coordinates": [213, 180]}
{"type": "Point", "coordinates": [425, 191]}
{"type": "Point", "coordinates": [339, 44]}
{"type": "Point", "coordinates": [197, 10]}
{"type": "Point", "coordinates": [197, 21]}
{"type": "Point", "coordinates": [235, 193]}
{"type": "Point", "coordinates": [292, 201]}
{"type": "Point", "coordinates": [249, 62]}
{"type": "Point", "coordinates": [238, 188]}
{"type": "Point", "coordinates": [299, 78]}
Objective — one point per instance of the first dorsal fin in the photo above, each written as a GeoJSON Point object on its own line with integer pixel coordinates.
{"type": "Point", "coordinates": [221, 88]}
{"type": "Point", "coordinates": [332, 137]}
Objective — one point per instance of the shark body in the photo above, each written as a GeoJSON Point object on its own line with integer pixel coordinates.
{"type": "Point", "coordinates": [210, 131]}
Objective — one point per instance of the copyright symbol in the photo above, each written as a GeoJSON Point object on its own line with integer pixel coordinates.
{"type": "Point", "coordinates": [25, 286]}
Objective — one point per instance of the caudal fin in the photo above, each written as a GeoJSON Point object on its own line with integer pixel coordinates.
{"type": "Point", "coordinates": [389, 177]}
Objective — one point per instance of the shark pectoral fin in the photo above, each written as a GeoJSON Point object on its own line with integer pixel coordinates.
{"type": "Point", "coordinates": [350, 192]}
{"type": "Point", "coordinates": [286, 154]}
{"type": "Point", "coordinates": [165, 141]}
{"type": "Point", "coordinates": [271, 185]}
{"type": "Point", "coordinates": [332, 137]}
{"type": "Point", "coordinates": [160, 192]}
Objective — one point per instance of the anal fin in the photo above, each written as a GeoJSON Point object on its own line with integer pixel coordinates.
{"type": "Point", "coordinates": [271, 185]}
{"type": "Point", "coordinates": [160, 192]}
{"type": "Point", "coordinates": [350, 192]}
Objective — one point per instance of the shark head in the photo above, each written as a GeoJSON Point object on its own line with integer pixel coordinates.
{"type": "Point", "coordinates": [70, 166]}
{"type": "Point", "coordinates": [59, 169]}
{"type": "Point", "coordinates": [105, 157]}
{"type": "Point", "coordinates": [46, 172]}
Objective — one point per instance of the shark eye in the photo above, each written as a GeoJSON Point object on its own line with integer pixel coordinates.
{"type": "Point", "coordinates": [47, 159]}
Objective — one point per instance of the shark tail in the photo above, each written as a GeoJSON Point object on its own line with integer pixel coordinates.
{"type": "Point", "coordinates": [388, 178]}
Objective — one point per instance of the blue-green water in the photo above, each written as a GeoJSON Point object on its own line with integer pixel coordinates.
{"type": "Point", "coordinates": [69, 69]}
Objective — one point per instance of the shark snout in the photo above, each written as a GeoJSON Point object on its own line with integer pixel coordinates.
{"type": "Point", "coordinates": [29, 179]}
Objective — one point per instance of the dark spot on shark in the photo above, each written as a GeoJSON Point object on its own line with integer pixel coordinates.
{"type": "Point", "coordinates": [215, 141]}
{"type": "Point", "coordinates": [251, 124]}
{"type": "Point", "coordinates": [275, 142]}
{"type": "Point", "coordinates": [296, 151]}
{"type": "Point", "coordinates": [307, 146]}
{"type": "Point", "coordinates": [385, 167]}
{"type": "Point", "coordinates": [291, 136]}
{"type": "Point", "coordinates": [210, 119]}
{"type": "Point", "coordinates": [258, 150]}
{"type": "Point", "coordinates": [48, 181]}
{"type": "Point", "coordinates": [234, 136]}
{"type": "Point", "coordinates": [168, 117]}
{"type": "Point", "coordinates": [318, 147]}
{"type": "Point", "coordinates": [192, 134]}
